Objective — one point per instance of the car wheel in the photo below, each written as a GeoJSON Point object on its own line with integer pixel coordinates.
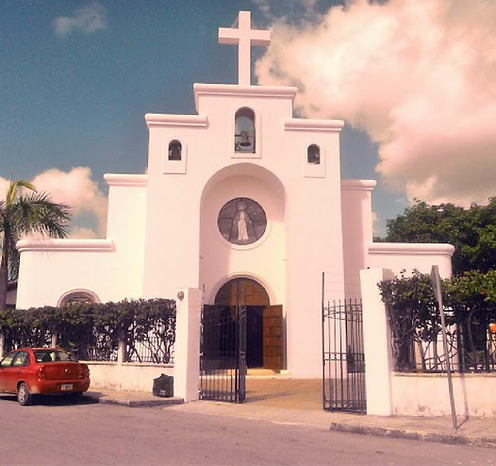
{"type": "Point", "coordinates": [23, 396]}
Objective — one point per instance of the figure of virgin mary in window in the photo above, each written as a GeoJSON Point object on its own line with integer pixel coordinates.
{"type": "Point", "coordinates": [242, 221]}
{"type": "Point", "coordinates": [242, 225]}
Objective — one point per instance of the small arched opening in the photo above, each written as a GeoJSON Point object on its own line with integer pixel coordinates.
{"type": "Point", "coordinates": [175, 150]}
{"type": "Point", "coordinates": [244, 137]}
{"type": "Point", "coordinates": [313, 154]}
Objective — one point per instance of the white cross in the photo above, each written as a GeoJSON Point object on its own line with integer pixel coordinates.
{"type": "Point", "coordinates": [244, 37]}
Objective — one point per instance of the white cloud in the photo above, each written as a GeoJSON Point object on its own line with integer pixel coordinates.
{"type": "Point", "coordinates": [416, 75]}
{"type": "Point", "coordinates": [376, 225]}
{"type": "Point", "coordinates": [76, 189]}
{"type": "Point", "coordinates": [82, 233]}
{"type": "Point", "coordinates": [87, 20]}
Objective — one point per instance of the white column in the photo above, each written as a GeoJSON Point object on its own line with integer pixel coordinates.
{"type": "Point", "coordinates": [376, 342]}
{"type": "Point", "coordinates": [187, 345]}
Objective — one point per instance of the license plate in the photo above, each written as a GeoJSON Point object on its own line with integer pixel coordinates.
{"type": "Point", "coordinates": [66, 386]}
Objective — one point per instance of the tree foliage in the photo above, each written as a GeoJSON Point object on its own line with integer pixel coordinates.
{"type": "Point", "coordinates": [93, 330]}
{"type": "Point", "coordinates": [413, 314]}
{"type": "Point", "coordinates": [471, 231]}
{"type": "Point", "coordinates": [25, 211]}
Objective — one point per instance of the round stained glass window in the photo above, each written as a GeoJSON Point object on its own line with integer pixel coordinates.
{"type": "Point", "coordinates": [242, 221]}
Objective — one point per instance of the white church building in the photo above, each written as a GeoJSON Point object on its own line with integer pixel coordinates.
{"type": "Point", "coordinates": [242, 201]}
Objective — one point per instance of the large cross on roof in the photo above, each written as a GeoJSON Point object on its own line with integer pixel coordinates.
{"type": "Point", "coordinates": [244, 37]}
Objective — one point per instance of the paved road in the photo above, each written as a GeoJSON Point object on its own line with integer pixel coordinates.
{"type": "Point", "coordinates": [56, 432]}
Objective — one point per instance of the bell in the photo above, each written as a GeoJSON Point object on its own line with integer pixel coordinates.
{"type": "Point", "coordinates": [175, 152]}
{"type": "Point", "coordinates": [245, 139]}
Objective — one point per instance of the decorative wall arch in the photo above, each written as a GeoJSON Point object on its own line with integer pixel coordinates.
{"type": "Point", "coordinates": [78, 295]}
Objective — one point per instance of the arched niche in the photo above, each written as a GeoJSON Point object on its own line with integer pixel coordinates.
{"type": "Point", "coordinates": [175, 150]}
{"type": "Point", "coordinates": [313, 154]}
{"type": "Point", "coordinates": [244, 136]}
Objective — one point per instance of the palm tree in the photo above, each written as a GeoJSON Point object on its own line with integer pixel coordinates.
{"type": "Point", "coordinates": [26, 211]}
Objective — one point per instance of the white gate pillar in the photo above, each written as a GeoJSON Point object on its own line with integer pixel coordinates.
{"type": "Point", "coordinates": [187, 344]}
{"type": "Point", "coordinates": [376, 344]}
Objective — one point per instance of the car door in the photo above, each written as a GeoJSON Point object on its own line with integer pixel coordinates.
{"type": "Point", "coordinates": [6, 373]}
{"type": "Point", "coordinates": [19, 370]}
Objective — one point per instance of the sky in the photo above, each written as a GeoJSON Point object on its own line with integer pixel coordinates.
{"type": "Point", "coordinates": [414, 80]}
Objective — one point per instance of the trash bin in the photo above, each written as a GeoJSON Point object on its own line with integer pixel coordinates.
{"type": "Point", "coordinates": [163, 386]}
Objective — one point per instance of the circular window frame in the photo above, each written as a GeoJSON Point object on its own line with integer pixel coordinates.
{"type": "Point", "coordinates": [251, 214]}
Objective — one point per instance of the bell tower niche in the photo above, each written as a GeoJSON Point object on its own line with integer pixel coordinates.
{"type": "Point", "coordinates": [244, 137]}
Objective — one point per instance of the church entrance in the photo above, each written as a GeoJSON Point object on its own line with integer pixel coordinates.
{"type": "Point", "coordinates": [239, 331]}
{"type": "Point", "coordinates": [264, 335]}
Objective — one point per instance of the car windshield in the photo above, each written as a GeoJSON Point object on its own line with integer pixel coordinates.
{"type": "Point", "coordinates": [51, 355]}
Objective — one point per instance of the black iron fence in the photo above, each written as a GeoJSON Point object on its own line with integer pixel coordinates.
{"type": "Point", "coordinates": [471, 344]}
{"type": "Point", "coordinates": [343, 357]}
{"type": "Point", "coordinates": [144, 331]}
{"type": "Point", "coordinates": [156, 346]}
{"type": "Point", "coordinates": [223, 353]}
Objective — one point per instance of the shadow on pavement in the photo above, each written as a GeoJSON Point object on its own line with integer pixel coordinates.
{"type": "Point", "coordinates": [54, 400]}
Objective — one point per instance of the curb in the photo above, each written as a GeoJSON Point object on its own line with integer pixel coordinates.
{"type": "Point", "coordinates": [137, 403]}
{"type": "Point", "coordinates": [423, 436]}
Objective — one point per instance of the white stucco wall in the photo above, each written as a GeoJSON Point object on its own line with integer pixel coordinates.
{"type": "Point", "coordinates": [427, 394]}
{"type": "Point", "coordinates": [126, 377]}
{"type": "Point", "coordinates": [402, 256]}
{"type": "Point", "coordinates": [356, 206]}
{"type": "Point", "coordinates": [111, 268]}
{"type": "Point", "coordinates": [303, 203]}
{"type": "Point", "coordinates": [264, 260]}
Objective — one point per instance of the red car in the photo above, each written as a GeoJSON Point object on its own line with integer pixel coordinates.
{"type": "Point", "coordinates": [31, 371]}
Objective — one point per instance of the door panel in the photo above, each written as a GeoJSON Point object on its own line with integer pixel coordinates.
{"type": "Point", "coordinates": [8, 379]}
{"type": "Point", "coordinates": [273, 338]}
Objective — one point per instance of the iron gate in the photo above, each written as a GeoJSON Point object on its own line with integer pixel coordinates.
{"type": "Point", "coordinates": [223, 353]}
{"type": "Point", "coordinates": [343, 357]}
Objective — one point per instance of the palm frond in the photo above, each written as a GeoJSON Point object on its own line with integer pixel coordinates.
{"type": "Point", "coordinates": [15, 189]}
{"type": "Point", "coordinates": [35, 213]}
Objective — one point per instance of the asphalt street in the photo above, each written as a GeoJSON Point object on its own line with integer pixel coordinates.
{"type": "Point", "coordinates": [57, 432]}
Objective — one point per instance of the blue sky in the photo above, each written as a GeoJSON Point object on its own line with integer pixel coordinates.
{"type": "Point", "coordinates": [77, 77]}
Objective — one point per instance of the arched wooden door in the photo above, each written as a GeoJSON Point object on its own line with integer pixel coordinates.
{"type": "Point", "coordinates": [264, 334]}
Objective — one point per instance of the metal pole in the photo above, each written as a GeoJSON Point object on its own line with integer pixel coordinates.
{"type": "Point", "coordinates": [436, 281]}
{"type": "Point", "coordinates": [323, 346]}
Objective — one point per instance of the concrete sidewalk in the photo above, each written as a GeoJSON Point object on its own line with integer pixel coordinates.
{"type": "Point", "coordinates": [299, 402]}
{"type": "Point", "coordinates": [131, 399]}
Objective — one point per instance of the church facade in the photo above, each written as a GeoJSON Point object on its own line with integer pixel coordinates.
{"type": "Point", "coordinates": [242, 201]}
